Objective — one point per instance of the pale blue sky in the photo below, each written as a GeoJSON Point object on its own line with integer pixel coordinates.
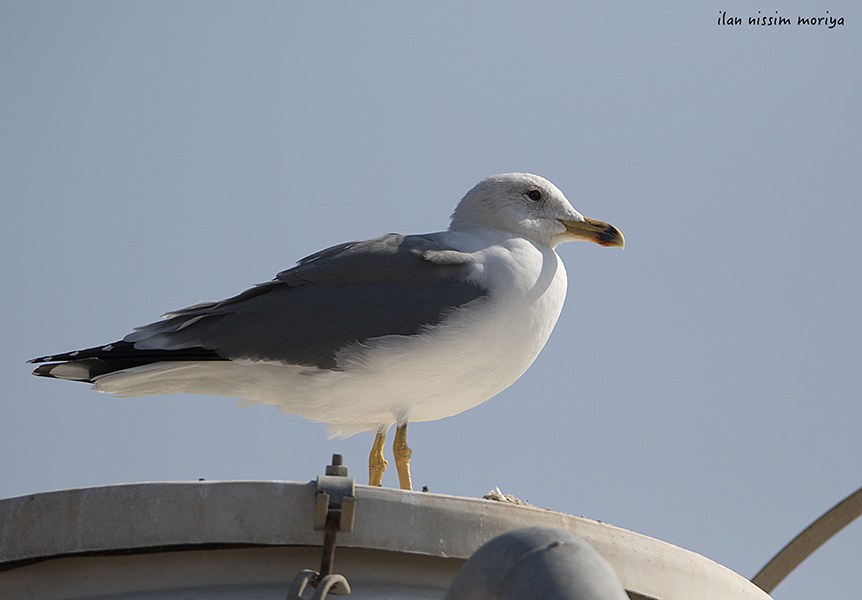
{"type": "Point", "coordinates": [702, 386]}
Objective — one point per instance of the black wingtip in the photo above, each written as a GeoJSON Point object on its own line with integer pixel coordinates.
{"type": "Point", "coordinates": [39, 371]}
{"type": "Point", "coordinates": [86, 365]}
{"type": "Point", "coordinates": [83, 371]}
{"type": "Point", "coordinates": [43, 370]}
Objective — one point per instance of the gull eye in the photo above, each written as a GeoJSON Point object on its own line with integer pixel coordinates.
{"type": "Point", "coordinates": [534, 195]}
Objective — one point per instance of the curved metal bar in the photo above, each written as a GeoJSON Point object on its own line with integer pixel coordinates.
{"type": "Point", "coordinates": [299, 583]}
{"type": "Point", "coordinates": [334, 583]}
{"type": "Point", "coordinates": [806, 543]}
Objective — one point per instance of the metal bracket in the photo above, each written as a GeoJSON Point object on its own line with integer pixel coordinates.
{"type": "Point", "coordinates": [335, 511]}
{"type": "Point", "coordinates": [337, 584]}
{"type": "Point", "coordinates": [335, 497]}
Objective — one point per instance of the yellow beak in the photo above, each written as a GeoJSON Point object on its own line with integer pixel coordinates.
{"type": "Point", "coordinates": [595, 231]}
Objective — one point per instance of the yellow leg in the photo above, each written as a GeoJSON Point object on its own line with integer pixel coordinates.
{"type": "Point", "coordinates": [376, 462]}
{"type": "Point", "coordinates": [402, 457]}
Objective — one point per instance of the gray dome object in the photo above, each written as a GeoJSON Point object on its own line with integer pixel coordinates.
{"type": "Point", "coordinates": [536, 563]}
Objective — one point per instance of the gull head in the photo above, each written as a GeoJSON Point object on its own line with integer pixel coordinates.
{"type": "Point", "coordinates": [532, 207]}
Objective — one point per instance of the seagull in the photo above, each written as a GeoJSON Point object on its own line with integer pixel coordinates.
{"type": "Point", "coordinates": [367, 334]}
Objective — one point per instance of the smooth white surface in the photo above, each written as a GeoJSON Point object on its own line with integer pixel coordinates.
{"type": "Point", "coordinates": [186, 515]}
{"type": "Point", "coordinates": [253, 573]}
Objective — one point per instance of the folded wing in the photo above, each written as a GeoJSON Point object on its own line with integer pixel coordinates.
{"type": "Point", "coordinates": [347, 294]}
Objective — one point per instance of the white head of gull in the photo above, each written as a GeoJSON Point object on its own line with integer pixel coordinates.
{"type": "Point", "coordinates": [372, 333]}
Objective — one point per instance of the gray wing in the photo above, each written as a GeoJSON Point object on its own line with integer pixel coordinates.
{"type": "Point", "coordinates": [351, 293]}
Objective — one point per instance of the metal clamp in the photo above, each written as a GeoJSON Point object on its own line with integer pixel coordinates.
{"type": "Point", "coordinates": [335, 511]}
{"type": "Point", "coordinates": [337, 584]}
{"type": "Point", "coordinates": [335, 497]}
